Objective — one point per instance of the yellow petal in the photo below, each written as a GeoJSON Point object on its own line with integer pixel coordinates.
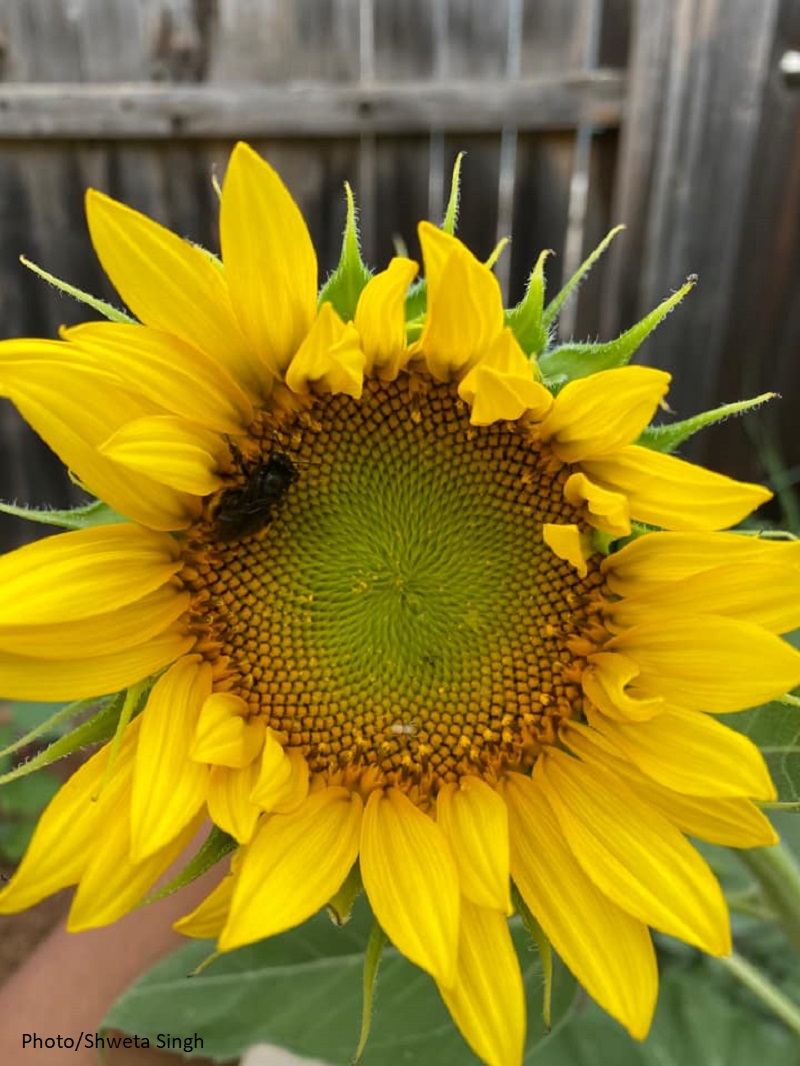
{"type": "Point", "coordinates": [170, 451]}
{"type": "Point", "coordinates": [229, 803]}
{"type": "Point", "coordinates": [604, 682]}
{"type": "Point", "coordinates": [208, 919]}
{"type": "Point", "coordinates": [487, 1001]}
{"type": "Point", "coordinates": [709, 663]}
{"type": "Point", "coordinates": [27, 678]}
{"type": "Point", "coordinates": [608, 511]}
{"type": "Point", "coordinates": [474, 820]}
{"type": "Point", "coordinates": [411, 881]}
{"type": "Point", "coordinates": [112, 885]}
{"type": "Point", "coordinates": [657, 559]}
{"type": "Point", "coordinates": [134, 623]}
{"type": "Point", "coordinates": [84, 573]}
{"type": "Point", "coordinates": [74, 408]}
{"type": "Point", "coordinates": [381, 318]}
{"type": "Point", "coordinates": [600, 413]}
{"type": "Point", "coordinates": [568, 543]}
{"type": "Point", "coordinates": [168, 789]}
{"type": "Point", "coordinates": [181, 378]}
{"type": "Point", "coordinates": [282, 781]}
{"type": "Point", "coordinates": [67, 833]}
{"type": "Point", "coordinates": [225, 736]}
{"type": "Point", "coordinates": [667, 491]}
{"type": "Point", "coordinates": [633, 854]}
{"type": "Point", "coordinates": [170, 284]}
{"type": "Point", "coordinates": [729, 821]}
{"type": "Point", "coordinates": [330, 358]}
{"type": "Point", "coordinates": [465, 305]}
{"type": "Point", "coordinates": [269, 259]}
{"type": "Point", "coordinates": [761, 593]}
{"type": "Point", "coordinates": [609, 951]}
{"type": "Point", "coordinates": [689, 752]}
{"type": "Point", "coordinates": [293, 866]}
{"type": "Point", "coordinates": [501, 385]}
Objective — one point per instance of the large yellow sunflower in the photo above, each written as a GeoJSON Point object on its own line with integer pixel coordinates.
{"type": "Point", "coordinates": [362, 576]}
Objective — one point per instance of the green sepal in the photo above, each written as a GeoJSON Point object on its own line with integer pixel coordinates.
{"type": "Point", "coordinates": [450, 220]}
{"type": "Point", "coordinates": [63, 714]}
{"type": "Point", "coordinates": [99, 727]}
{"type": "Point", "coordinates": [340, 906]}
{"type": "Point", "coordinates": [104, 308]}
{"type": "Point", "coordinates": [526, 319]}
{"type": "Point", "coordinates": [667, 438]}
{"type": "Point", "coordinates": [345, 285]}
{"type": "Point", "coordinates": [601, 542]}
{"type": "Point", "coordinates": [580, 360]}
{"type": "Point", "coordinates": [545, 951]}
{"type": "Point", "coordinates": [216, 846]}
{"type": "Point", "coordinates": [372, 960]}
{"type": "Point", "coordinates": [416, 306]}
{"type": "Point", "coordinates": [553, 309]}
{"type": "Point", "coordinates": [95, 513]}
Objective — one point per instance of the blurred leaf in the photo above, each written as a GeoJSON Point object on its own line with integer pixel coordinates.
{"type": "Point", "coordinates": [775, 729]}
{"type": "Point", "coordinates": [21, 803]}
{"type": "Point", "coordinates": [302, 991]}
{"type": "Point", "coordinates": [695, 1025]}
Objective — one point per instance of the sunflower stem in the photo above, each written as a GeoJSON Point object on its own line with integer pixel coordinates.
{"type": "Point", "coordinates": [761, 987]}
{"type": "Point", "coordinates": [778, 876]}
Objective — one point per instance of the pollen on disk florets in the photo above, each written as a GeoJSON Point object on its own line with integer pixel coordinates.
{"type": "Point", "coordinates": [399, 612]}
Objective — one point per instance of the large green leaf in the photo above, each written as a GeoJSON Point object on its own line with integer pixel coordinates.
{"type": "Point", "coordinates": [302, 991]}
{"type": "Point", "coordinates": [696, 1024]}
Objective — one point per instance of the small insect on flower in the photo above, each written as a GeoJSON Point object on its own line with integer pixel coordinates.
{"type": "Point", "coordinates": [243, 511]}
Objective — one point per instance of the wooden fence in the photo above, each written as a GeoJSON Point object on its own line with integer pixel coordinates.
{"type": "Point", "coordinates": [671, 115]}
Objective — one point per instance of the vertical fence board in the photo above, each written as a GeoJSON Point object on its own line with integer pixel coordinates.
{"type": "Point", "coordinates": [684, 192]}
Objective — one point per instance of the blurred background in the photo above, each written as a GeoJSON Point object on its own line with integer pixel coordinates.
{"type": "Point", "coordinates": [678, 117]}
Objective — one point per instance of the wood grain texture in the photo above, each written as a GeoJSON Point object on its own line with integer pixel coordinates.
{"type": "Point", "coordinates": [693, 141]}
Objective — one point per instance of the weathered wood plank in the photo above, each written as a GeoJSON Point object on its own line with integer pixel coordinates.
{"type": "Point", "coordinates": [144, 111]}
{"type": "Point", "coordinates": [698, 78]}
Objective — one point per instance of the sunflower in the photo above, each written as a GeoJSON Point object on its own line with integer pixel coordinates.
{"type": "Point", "coordinates": [362, 602]}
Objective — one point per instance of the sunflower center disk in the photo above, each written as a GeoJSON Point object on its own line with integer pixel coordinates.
{"type": "Point", "coordinates": [399, 611]}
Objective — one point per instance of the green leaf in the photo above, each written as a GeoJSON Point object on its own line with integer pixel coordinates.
{"type": "Point", "coordinates": [526, 319]}
{"type": "Point", "coordinates": [553, 309]}
{"type": "Point", "coordinates": [580, 360]}
{"type": "Point", "coordinates": [345, 285]}
{"type": "Point", "coordinates": [95, 513]}
{"type": "Point", "coordinates": [696, 1024]}
{"type": "Point", "coordinates": [303, 991]}
{"type": "Point", "coordinates": [215, 847]}
{"type": "Point", "coordinates": [55, 723]}
{"type": "Point", "coordinates": [107, 310]}
{"type": "Point", "coordinates": [100, 727]}
{"type": "Point", "coordinates": [667, 438]}
{"type": "Point", "coordinates": [775, 729]}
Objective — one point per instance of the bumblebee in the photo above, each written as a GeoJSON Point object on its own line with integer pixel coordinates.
{"type": "Point", "coordinates": [248, 509]}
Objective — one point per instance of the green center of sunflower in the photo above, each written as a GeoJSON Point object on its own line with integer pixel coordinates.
{"type": "Point", "coordinates": [392, 606]}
